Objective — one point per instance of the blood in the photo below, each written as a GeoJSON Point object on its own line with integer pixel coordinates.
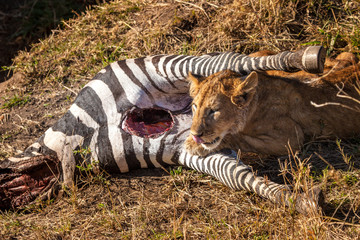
{"type": "Point", "coordinates": [28, 179]}
{"type": "Point", "coordinates": [148, 123]}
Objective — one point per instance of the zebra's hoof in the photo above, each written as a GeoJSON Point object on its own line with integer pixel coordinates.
{"type": "Point", "coordinates": [313, 59]}
{"type": "Point", "coordinates": [310, 203]}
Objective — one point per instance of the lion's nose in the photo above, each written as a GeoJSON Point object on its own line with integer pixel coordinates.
{"type": "Point", "coordinates": [197, 138]}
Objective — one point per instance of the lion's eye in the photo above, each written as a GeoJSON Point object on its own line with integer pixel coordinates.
{"type": "Point", "coordinates": [244, 96]}
{"type": "Point", "coordinates": [212, 111]}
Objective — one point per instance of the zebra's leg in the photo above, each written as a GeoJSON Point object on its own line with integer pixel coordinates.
{"type": "Point", "coordinates": [68, 165]}
{"type": "Point", "coordinates": [310, 59]}
{"type": "Point", "coordinates": [236, 175]}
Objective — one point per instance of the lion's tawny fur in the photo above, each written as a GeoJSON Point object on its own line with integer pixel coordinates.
{"type": "Point", "coordinates": [269, 112]}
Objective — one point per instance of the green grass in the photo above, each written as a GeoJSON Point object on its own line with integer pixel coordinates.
{"type": "Point", "coordinates": [15, 101]}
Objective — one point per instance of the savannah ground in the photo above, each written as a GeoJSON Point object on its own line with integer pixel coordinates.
{"type": "Point", "coordinates": [176, 203]}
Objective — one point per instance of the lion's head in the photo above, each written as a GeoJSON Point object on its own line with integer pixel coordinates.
{"type": "Point", "coordinates": [220, 107]}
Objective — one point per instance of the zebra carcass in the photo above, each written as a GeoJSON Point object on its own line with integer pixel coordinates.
{"type": "Point", "coordinates": [135, 114]}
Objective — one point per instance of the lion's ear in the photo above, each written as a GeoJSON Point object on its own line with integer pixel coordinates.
{"type": "Point", "coordinates": [244, 93]}
{"type": "Point", "coordinates": [194, 83]}
{"type": "Point", "coordinates": [193, 79]}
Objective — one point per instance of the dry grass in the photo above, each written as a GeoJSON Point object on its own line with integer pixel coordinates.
{"type": "Point", "coordinates": [127, 29]}
{"type": "Point", "coordinates": [181, 204]}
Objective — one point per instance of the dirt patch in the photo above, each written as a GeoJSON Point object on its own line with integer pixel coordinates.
{"type": "Point", "coordinates": [27, 111]}
{"type": "Point", "coordinates": [16, 82]}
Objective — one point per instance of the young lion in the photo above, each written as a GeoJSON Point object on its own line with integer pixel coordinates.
{"type": "Point", "coordinates": [266, 113]}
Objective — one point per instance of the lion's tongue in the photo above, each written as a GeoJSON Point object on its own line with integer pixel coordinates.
{"type": "Point", "coordinates": [197, 139]}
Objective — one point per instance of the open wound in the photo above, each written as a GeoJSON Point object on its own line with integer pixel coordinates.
{"type": "Point", "coordinates": [148, 122]}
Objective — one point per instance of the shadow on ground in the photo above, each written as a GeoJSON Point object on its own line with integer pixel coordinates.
{"type": "Point", "coordinates": [331, 164]}
{"type": "Point", "coordinates": [23, 22]}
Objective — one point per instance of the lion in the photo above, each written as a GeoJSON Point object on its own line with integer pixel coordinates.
{"type": "Point", "coordinates": [269, 112]}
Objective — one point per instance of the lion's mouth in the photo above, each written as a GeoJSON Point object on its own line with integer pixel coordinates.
{"type": "Point", "coordinates": [212, 143]}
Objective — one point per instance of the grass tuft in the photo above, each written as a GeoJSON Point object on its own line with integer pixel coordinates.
{"type": "Point", "coordinates": [16, 101]}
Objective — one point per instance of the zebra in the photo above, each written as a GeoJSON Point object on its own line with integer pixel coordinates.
{"type": "Point", "coordinates": [136, 113]}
